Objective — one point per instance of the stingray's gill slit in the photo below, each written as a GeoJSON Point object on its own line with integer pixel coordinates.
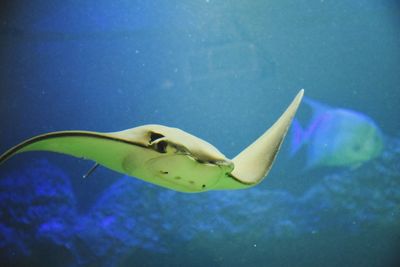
{"type": "Point", "coordinates": [159, 154]}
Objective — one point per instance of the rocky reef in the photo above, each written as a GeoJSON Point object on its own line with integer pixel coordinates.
{"type": "Point", "coordinates": [39, 218]}
{"type": "Point", "coordinates": [37, 215]}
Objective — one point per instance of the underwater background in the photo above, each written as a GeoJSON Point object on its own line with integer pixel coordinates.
{"type": "Point", "coordinates": [223, 71]}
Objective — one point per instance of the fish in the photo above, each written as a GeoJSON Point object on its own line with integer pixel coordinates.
{"type": "Point", "coordinates": [169, 157]}
{"type": "Point", "coordinates": [336, 137]}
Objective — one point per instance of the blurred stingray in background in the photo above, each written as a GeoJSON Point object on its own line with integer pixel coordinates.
{"type": "Point", "coordinates": [336, 137]}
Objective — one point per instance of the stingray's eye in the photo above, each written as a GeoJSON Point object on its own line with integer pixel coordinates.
{"type": "Point", "coordinates": [161, 146]}
{"type": "Point", "coordinates": [155, 136]}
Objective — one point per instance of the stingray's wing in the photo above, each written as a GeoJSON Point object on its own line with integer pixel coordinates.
{"type": "Point", "coordinates": [254, 162]}
{"type": "Point", "coordinates": [108, 149]}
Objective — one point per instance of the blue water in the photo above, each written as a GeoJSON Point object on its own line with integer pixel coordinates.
{"type": "Point", "coordinates": [223, 71]}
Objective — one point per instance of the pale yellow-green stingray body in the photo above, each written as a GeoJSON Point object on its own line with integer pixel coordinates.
{"type": "Point", "coordinates": [169, 157]}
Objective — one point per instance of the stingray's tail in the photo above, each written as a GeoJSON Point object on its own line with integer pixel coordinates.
{"type": "Point", "coordinates": [254, 163]}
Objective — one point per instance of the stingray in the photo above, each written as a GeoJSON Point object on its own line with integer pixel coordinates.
{"type": "Point", "coordinates": [169, 157]}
